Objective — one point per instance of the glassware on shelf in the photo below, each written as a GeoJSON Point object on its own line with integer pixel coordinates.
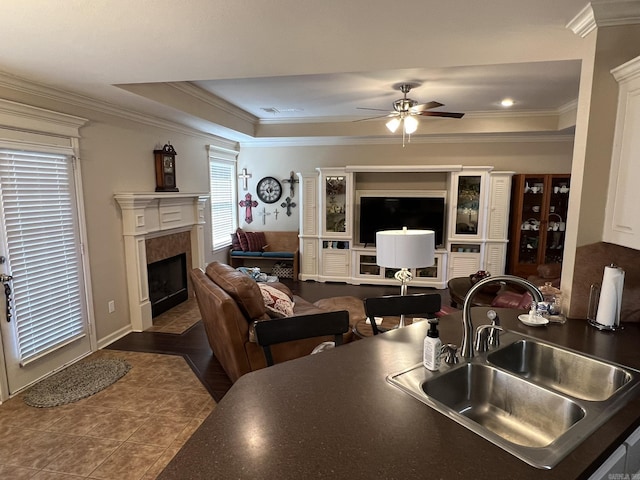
{"type": "Point", "coordinates": [552, 296]}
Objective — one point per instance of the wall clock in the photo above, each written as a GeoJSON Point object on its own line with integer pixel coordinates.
{"type": "Point", "coordinates": [269, 190]}
{"type": "Point", "coordinates": [165, 169]}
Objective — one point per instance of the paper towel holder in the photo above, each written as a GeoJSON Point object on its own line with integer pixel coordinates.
{"type": "Point", "coordinates": [592, 309]}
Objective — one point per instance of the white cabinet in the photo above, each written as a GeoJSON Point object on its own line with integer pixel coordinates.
{"type": "Point", "coordinates": [335, 202]}
{"type": "Point", "coordinates": [467, 200]}
{"type": "Point", "coordinates": [366, 270]}
{"type": "Point", "coordinates": [308, 258]}
{"type": "Point", "coordinates": [495, 254]}
{"type": "Point", "coordinates": [335, 261]}
{"type": "Point", "coordinates": [622, 222]}
{"type": "Point", "coordinates": [309, 202]}
{"type": "Point", "coordinates": [499, 202]}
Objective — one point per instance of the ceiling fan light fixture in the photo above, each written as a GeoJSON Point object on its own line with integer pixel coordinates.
{"type": "Point", "coordinates": [393, 124]}
{"type": "Point", "coordinates": [410, 125]}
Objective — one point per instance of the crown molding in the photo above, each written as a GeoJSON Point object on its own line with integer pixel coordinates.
{"type": "Point", "coordinates": [29, 118]}
{"type": "Point", "coordinates": [599, 14]}
{"type": "Point", "coordinates": [41, 90]}
{"type": "Point", "coordinates": [212, 100]}
{"type": "Point", "coordinates": [627, 71]}
{"type": "Point", "coordinates": [389, 140]}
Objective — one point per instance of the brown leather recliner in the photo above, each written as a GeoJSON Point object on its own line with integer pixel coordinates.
{"type": "Point", "coordinates": [231, 301]}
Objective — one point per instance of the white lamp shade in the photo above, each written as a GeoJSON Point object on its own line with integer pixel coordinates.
{"type": "Point", "coordinates": [410, 125]}
{"type": "Point", "coordinates": [392, 124]}
{"type": "Point", "coordinates": [405, 248]}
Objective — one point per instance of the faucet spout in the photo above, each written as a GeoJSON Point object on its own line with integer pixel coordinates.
{"type": "Point", "coordinates": [467, 350]}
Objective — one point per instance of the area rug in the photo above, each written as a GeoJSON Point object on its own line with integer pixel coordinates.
{"type": "Point", "coordinates": [76, 382]}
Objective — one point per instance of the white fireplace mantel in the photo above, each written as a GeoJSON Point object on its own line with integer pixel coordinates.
{"type": "Point", "coordinates": [146, 215]}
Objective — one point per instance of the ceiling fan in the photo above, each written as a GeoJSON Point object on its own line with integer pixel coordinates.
{"type": "Point", "coordinates": [405, 111]}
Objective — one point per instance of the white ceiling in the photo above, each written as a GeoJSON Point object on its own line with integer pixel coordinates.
{"type": "Point", "coordinates": [321, 58]}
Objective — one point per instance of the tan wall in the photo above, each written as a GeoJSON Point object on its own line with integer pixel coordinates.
{"type": "Point", "coordinates": [116, 156]}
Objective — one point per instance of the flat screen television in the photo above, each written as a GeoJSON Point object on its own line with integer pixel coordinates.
{"type": "Point", "coordinates": [393, 213]}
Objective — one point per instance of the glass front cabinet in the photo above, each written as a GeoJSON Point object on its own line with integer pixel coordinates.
{"type": "Point", "coordinates": [538, 221]}
{"type": "Point", "coordinates": [467, 205]}
{"type": "Point", "coordinates": [335, 196]}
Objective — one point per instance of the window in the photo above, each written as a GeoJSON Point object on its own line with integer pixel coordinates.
{"type": "Point", "coordinates": [37, 195]}
{"type": "Point", "coordinates": [222, 187]}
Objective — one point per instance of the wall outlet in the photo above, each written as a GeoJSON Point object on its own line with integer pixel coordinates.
{"type": "Point", "coordinates": [112, 306]}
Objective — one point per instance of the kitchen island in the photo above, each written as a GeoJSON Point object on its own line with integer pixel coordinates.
{"type": "Point", "coordinates": [334, 415]}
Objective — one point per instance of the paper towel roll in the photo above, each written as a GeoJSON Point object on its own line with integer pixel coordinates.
{"type": "Point", "coordinates": [610, 296]}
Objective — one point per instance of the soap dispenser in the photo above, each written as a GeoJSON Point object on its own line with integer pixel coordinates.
{"type": "Point", "coordinates": [432, 346]}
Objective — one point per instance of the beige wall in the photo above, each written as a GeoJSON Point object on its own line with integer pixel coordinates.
{"type": "Point", "coordinates": [116, 156]}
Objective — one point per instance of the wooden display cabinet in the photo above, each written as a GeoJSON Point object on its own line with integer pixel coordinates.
{"type": "Point", "coordinates": [538, 221]}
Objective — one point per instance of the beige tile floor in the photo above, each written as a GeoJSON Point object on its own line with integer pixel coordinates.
{"type": "Point", "coordinates": [130, 430]}
{"type": "Point", "coordinates": [178, 319]}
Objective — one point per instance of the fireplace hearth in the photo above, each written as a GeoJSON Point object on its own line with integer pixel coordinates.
{"type": "Point", "coordinates": [167, 283]}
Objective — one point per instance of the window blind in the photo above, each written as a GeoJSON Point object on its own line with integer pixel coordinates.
{"type": "Point", "coordinates": [222, 184]}
{"type": "Point", "coordinates": [42, 244]}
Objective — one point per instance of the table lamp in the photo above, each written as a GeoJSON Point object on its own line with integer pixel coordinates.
{"type": "Point", "coordinates": [405, 249]}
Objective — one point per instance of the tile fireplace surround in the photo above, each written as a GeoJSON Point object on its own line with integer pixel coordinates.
{"type": "Point", "coordinates": [153, 216]}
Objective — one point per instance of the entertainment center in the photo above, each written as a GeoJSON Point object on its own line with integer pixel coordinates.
{"type": "Point", "coordinates": [342, 208]}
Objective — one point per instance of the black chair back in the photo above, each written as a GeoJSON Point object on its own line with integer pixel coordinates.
{"type": "Point", "coordinates": [278, 330]}
{"type": "Point", "coordinates": [420, 305]}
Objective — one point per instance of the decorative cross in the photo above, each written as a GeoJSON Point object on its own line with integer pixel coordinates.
{"type": "Point", "coordinates": [288, 204]}
{"type": "Point", "coordinates": [292, 180]}
{"type": "Point", "coordinates": [264, 214]}
{"type": "Point", "coordinates": [276, 212]}
{"type": "Point", "coordinates": [245, 176]}
{"type": "Point", "coordinates": [247, 203]}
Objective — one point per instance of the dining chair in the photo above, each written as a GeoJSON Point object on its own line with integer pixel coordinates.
{"type": "Point", "coordinates": [279, 330]}
{"type": "Point", "coordinates": [422, 304]}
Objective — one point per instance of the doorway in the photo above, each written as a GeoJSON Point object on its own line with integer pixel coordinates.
{"type": "Point", "coordinates": [43, 316]}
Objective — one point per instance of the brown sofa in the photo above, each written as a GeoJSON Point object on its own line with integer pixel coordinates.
{"type": "Point", "coordinates": [231, 301]}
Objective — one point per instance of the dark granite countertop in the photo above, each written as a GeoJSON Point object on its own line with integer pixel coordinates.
{"type": "Point", "coordinates": [335, 415]}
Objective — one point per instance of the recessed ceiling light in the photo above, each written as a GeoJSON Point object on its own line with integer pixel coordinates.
{"type": "Point", "coordinates": [507, 102]}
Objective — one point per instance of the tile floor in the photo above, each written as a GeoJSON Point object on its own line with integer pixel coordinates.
{"type": "Point", "coordinates": [178, 319]}
{"type": "Point", "coordinates": [130, 430]}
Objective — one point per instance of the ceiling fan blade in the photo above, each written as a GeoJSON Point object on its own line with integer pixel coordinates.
{"type": "Point", "coordinates": [374, 118]}
{"type": "Point", "coordinates": [374, 109]}
{"type": "Point", "coordinates": [426, 106]}
{"type": "Point", "coordinates": [441, 114]}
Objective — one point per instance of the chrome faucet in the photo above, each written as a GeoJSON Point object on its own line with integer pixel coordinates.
{"type": "Point", "coordinates": [467, 350]}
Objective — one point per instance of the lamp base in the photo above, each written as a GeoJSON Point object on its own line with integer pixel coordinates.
{"type": "Point", "coordinates": [404, 276]}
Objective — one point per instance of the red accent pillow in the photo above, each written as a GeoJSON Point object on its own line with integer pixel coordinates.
{"type": "Point", "coordinates": [242, 238]}
{"type": "Point", "coordinates": [255, 240]}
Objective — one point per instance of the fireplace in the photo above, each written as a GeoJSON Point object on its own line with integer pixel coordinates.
{"type": "Point", "coordinates": [157, 226]}
{"type": "Point", "coordinates": [167, 283]}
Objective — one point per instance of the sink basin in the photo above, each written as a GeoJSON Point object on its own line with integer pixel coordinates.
{"type": "Point", "coordinates": [577, 375]}
{"type": "Point", "coordinates": [533, 399]}
{"type": "Point", "coordinates": [516, 410]}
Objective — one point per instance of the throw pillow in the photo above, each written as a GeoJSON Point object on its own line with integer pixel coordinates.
{"type": "Point", "coordinates": [242, 238]}
{"type": "Point", "coordinates": [235, 242]}
{"type": "Point", "coordinates": [277, 303]}
{"type": "Point", "coordinates": [255, 241]}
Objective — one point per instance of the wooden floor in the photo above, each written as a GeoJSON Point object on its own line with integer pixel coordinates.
{"type": "Point", "coordinates": [193, 345]}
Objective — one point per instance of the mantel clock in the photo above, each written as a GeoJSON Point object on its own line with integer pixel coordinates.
{"type": "Point", "coordinates": [165, 169]}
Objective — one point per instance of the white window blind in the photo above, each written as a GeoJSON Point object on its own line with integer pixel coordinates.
{"type": "Point", "coordinates": [222, 184]}
{"type": "Point", "coordinates": [42, 243]}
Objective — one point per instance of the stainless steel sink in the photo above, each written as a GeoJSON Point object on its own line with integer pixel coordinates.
{"type": "Point", "coordinates": [536, 400]}
{"type": "Point", "coordinates": [504, 404]}
{"type": "Point", "coordinates": [562, 370]}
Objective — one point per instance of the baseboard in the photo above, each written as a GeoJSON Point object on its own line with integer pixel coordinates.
{"type": "Point", "coordinates": [117, 335]}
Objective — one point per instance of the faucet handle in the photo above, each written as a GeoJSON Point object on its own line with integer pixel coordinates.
{"type": "Point", "coordinates": [494, 336]}
{"type": "Point", "coordinates": [449, 351]}
{"type": "Point", "coordinates": [482, 337]}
